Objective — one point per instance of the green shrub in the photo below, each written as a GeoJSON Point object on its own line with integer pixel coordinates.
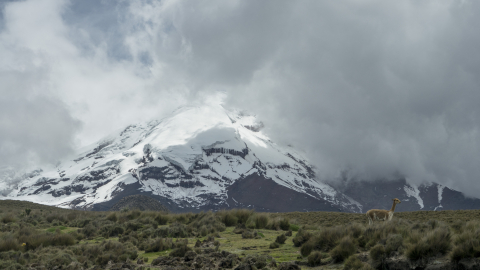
{"type": "Point", "coordinates": [27, 211]}
{"type": "Point", "coordinates": [467, 245]}
{"type": "Point", "coordinates": [59, 259]}
{"type": "Point", "coordinates": [281, 239]}
{"type": "Point", "coordinates": [274, 245]}
{"type": "Point", "coordinates": [8, 218]}
{"type": "Point", "coordinates": [112, 217]}
{"type": "Point", "coordinates": [394, 243]}
{"type": "Point", "coordinates": [89, 230]}
{"type": "Point", "coordinates": [261, 220]}
{"type": "Point", "coordinates": [328, 238]}
{"type": "Point", "coordinates": [344, 249]}
{"type": "Point", "coordinates": [434, 243]}
{"type": "Point", "coordinates": [294, 227]}
{"type": "Point", "coordinates": [279, 223]}
{"type": "Point", "coordinates": [158, 244]}
{"type": "Point", "coordinates": [179, 251]}
{"type": "Point", "coordinates": [378, 255]}
{"type": "Point", "coordinates": [249, 234]}
{"type": "Point", "coordinates": [354, 263]}
{"type": "Point", "coordinates": [314, 259]}
{"type": "Point", "coordinates": [242, 215]}
{"type": "Point", "coordinates": [301, 237]}
{"type": "Point", "coordinates": [9, 243]}
{"type": "Point", "coordinates": [161, 219]}
{"type": "Point", "coordinates": [307, 248]}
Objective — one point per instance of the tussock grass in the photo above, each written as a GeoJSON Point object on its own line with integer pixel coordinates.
{"type": "Point", "coordinates": [57, 235]}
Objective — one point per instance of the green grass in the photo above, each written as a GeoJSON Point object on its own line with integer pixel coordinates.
{"type": "Point", "coordinates": [414, 235]}
{"type": "Point", "coordinates": [53, 229]}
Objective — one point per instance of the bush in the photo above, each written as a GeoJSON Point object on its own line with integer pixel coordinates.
{"type": "Point", "coordinates": [394, 243]}
{"type": "Point", "coordinates": [281, 239]}
{"type": "Point", "coordinates": [354, 263]}
{"type": "Point", "coordinates": [307, 248]}
{"type": "Point", "coordinates": [274, 245]}
{"type": "Point", "coordinates": [248, 234]}
{"type": "Point", "coordinates": [158, 244]}
{"type": "Point", "coordinates": [344, 249]}
{"type": "Point", "coordinates": [378, 254]}
{"type": "Point", "coordinates": [9, 244]}
{"type": "Point", "coordinates": [314, 259]}
{"type": "Point", "coordinates": [112, 217]}
{"type": "Point", "coordinates": [161, 219]}
{"type": "Point", "coordinates": [242, 215]}
{"type": "Point", "coordinates": [467, 245]}
{"type": "Point", "coordinates": [180, 251]}
{"type": "Point", "coordinates": [59, 259]}
{"type": "Point", "coordinates": [294, 227]}
{"type": "Point", "coordinates": [279, 223]}
{"type": "Point", "coordinates": [301, 237]}
{"type": "Point", "coordinates": [434, 243]}
{"type": "Point", "coordinates": [8, 218]}
{"type": "Point", "coordinates": [89, 230]}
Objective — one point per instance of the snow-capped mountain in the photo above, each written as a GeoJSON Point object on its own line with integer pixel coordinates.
{"type": "Point", "coordinates": [198, 158]}
{"type": "Point", "coordinates": [207, 157]}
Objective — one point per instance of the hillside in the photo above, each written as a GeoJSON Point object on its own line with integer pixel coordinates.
{"type": "Point", "coordinates": [138, 202]}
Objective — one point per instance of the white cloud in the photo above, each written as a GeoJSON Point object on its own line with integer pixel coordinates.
{"type": "Point", "coordinates": [379, 88]}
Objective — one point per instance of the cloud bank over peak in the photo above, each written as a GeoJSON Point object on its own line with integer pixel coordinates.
{"type": "Point", "coordinates": [377, 88]}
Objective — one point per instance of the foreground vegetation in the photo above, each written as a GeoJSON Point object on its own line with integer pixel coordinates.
{"type": "Point", "coordinates": [34, 236]}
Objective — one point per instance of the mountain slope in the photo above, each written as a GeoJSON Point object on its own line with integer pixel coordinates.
{"type": "Point", "coordinates": [429, 196]}
{"type": "Point", "coordinates": [198, 158]}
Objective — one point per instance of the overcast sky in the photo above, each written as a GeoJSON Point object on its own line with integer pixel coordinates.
{"type": "Point", "coordinates": [378, 88]}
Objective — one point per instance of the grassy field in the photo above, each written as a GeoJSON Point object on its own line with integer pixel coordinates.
{"type": "Point", "coordinates": [35, 236]}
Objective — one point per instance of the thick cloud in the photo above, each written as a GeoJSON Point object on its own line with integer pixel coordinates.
{"type": "Point", "coordinates": [376, 88]}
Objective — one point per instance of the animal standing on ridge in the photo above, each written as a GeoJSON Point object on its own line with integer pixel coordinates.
{"type": "Point", "coordinates": [385, 215]}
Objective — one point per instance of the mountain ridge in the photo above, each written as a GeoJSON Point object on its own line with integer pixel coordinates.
{"type": "Point", "coordinates": [209, 158]}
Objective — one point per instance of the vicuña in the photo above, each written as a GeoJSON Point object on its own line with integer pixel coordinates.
{"type": "Point", "coordinates": [385, 215]}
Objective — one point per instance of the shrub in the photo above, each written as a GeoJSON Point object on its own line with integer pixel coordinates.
{"type": "Point", "coordinates": [27, 211]}
{"type": "Point", "coordinates": [328, 238]}
{"type": "Point", "coordinates": [354, 263]}
{"type": "Point", "coordinates": [301, 237]}
{"type": "Point", "coordinates": [257, 261]}
{"type": "Point", "coordinates": [242, 215]}
{"type": "Point", "coordinates": [281, 239]}
{"type": "Point", "coordinates": [89, 230]}
{"type": "Point", "coordinates": [378, 255]}
{"type": "Point", "coordinates": [394, 243]}
{"type": "Point", "coordinates": [59, 259]}
{"type": "Point", "coordinates": [279, 223]}
{"type": "Point", "coordinates": [180, 251]}
{"type": "Point", "coordinates": [261, 220]}
{"type": "Point", "coordinates": [307, 248]}
{"type": "Point", "coordinates": [112, 217]}
{"type": "Point", "coordinates": [314, 259]}
{"type": "Point", "coordinates": [229, 219]}
{"type": "Point", "coordinates": [133, 214]}
{"type": "Point", "coordinates": [161, 219]}
{"type": "Point", "coordinates": [467, 245]}
{"type": "Point", "coordinates": [274, 245]}
{"type": "Point", "coordinates": [8, 218]}
{"type": "Point", "coordinates": [435, 242]}
{"type": "Point", "coordinates": [9, 244]}
{"type": "Point", "coordinates": [158, 244]}
{"type": "Point", "coordinates": [248, 234]}
{"type": "Point", "coordinates": [344, 249]}
{"type": "Point", "coordinates": [294, 227]}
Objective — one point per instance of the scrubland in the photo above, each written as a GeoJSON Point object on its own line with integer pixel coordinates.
{"type": "Point", "coordinates": [34, 236]}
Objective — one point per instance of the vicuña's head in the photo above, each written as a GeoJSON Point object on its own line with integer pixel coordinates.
{"type": "Point", "coordinates": [396, 201]}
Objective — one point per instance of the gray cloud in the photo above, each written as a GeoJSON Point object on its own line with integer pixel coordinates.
{"type": "Point", "coordinates": [377, 88]}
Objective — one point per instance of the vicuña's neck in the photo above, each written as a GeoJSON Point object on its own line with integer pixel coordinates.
{"type": "Point", "coordinates": [393, 207]}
